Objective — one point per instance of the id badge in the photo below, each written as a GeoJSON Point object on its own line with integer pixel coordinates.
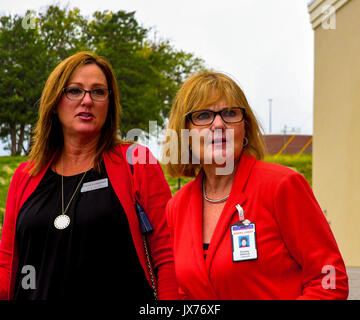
{"type": "Point", "coordinates": [243, 240]}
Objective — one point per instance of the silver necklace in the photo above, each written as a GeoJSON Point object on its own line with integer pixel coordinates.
{"type": "Point", "coordinates": [62, 221]}
{"type": "Point", "coordinates": [211, 200]}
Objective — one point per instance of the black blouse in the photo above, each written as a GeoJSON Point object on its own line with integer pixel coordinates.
{"type": "Point", "coordinates": [93, 258]}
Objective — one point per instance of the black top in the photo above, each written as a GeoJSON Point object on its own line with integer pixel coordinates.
{"type": "Point", "coordinates": [93, 258]}
{"type": "Point", "coordinates": [205, 249]}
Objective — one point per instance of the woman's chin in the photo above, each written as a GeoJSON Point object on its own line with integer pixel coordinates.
{"type": "Point", "coordinates": [218, 157]}
{"type": "Point", "coordinates": [85, 130]}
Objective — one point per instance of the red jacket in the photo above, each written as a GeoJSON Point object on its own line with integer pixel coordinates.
{"type": "Point", "coordinates": [294, 240]}
{"type": "Point", "coordinates": [154, 193]}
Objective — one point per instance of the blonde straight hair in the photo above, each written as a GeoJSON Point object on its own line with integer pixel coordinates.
{"type": "Point", "coordinates": [48, 136]}
{"type": "Point", "coordinates": [197, 92]}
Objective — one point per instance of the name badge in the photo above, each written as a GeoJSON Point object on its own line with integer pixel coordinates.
{"type": "Point", "coordinates": [94, 185]}
{"type": "Point", "coordinates": [243, 238]}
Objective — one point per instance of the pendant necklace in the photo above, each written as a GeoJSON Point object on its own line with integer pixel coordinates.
{"type": "Point", "coordinates": [211, 200]}
{"type": "Point", "coordinates": [62, 221]}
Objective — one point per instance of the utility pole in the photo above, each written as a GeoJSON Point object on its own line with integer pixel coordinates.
{"type": "Point", "coordinates": [270, 102]}
{"type": "Point", "coordinates": [284, 131]}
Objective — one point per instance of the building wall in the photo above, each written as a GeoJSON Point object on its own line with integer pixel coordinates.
{"type": "Point", "coordinates": [336, 145]}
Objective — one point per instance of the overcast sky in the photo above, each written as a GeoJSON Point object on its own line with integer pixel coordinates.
{"type": "Point", "coordinates": [265, 45]}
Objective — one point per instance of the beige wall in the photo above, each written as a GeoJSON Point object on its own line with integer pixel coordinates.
{"type": "Point", "coordinates": [336, 146]}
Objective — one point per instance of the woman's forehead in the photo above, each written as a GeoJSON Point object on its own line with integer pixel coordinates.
{"type": "Point", "coordinates": [88, 72]}
{"type": "Point", "coordinates": [214, 100]}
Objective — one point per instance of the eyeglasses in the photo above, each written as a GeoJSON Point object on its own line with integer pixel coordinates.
{"type": "Point", "coordinates": [206, 117]}
{"type": "Point", "coordinates": [75, 93]}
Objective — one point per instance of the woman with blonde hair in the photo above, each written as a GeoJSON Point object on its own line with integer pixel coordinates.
{"type": "Point", "coordinates": [71, 230]}
{"type": "Point", "coordinates": [272, 207]}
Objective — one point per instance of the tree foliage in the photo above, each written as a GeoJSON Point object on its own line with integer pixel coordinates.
{"type": "Point", "coordinates": [148, 72]}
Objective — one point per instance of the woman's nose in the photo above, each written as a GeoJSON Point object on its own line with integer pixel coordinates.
{"type": "Point", "coordinates": [87, 98]}
{"type": "Point", "coordinates": [218, 122]}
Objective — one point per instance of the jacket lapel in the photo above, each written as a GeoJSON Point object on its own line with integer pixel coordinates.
{"type": "Point", "coordinates": [196, 229]}
{"type": "Point", "coordinates": [237, 196]}
{"type": "Point", "coordinates": [119, 175]}
{"type": "Point", "coordinates": [195, 206]}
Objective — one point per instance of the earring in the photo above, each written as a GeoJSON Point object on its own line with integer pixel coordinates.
{"type": "Point", "coordinates": [245, 142]}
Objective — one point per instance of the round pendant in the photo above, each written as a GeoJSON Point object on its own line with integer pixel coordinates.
{"type": "Point", "coordinates": [61, 221]}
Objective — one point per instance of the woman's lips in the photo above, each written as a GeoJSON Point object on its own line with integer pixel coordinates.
{"type": "Point", "coordinates": [218, 141]}
{"type": "Point", "coordinates": [216, 144]}
{"type": "Point", "coordinates": [85, 115]}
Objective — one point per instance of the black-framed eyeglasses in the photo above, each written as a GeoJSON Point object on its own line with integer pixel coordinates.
{"type": "Point", "coordinates": [76, 93]}
{"type": "Point", "coordinates": [206, 117]}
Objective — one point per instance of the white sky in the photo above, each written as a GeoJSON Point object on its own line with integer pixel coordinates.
{"type": "Point", "coordinates": [266, 45]}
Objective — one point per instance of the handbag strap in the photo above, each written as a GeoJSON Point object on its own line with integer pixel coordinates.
{"type": "Point", "coordinates": [145, 228]}
{"type": "Point", "coordinates": [150, 268]}
{"type": "Point", "coordinates": [144, 222]}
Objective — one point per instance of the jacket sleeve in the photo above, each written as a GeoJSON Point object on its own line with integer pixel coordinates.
{"type": "Point", "coordinates": [8, 236]}
{"type": "Point", "coordinates": [153, 193]}
{"type": "Point", "coordinates": [308, 237]}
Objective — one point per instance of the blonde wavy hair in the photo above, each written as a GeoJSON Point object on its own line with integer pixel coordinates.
{"type": "Point", "coordinates": [48, 137]}
{"type": "Point", "coordinates": [198, 91]}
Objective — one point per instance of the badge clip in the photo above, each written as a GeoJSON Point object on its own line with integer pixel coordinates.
{"type": "Point", "coordinates": [240, 210]}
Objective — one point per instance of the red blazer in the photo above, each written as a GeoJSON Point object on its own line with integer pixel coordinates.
{"type": "Point", "coordinates": [153, 194]}
{"type": "Point", "coordinates": [294, 240]}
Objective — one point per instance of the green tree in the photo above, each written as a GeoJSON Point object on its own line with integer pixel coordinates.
{"type": "Point", "coordinates": [21, 77]}
{"type": "Point", "coordinates": [28, 53]}
{"type": "Point", "coordinates": [63, 33]}
{"type": "Point", "coordinates": [148, 72]}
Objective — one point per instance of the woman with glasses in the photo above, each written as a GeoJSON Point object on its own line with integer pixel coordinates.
{"type": "Point", "coordinates": [71, 230]}
{"type": "Point", "coordinates": [244, 228]}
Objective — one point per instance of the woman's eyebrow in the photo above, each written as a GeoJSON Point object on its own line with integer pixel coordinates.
{"type": "Point", "coordinates": [93, 85]}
